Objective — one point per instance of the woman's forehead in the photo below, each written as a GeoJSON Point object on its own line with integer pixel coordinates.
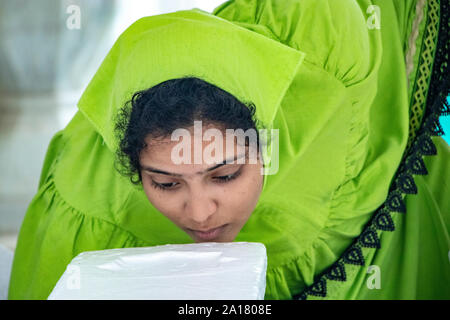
{"type": "Point", "coordinates": [192, 157]}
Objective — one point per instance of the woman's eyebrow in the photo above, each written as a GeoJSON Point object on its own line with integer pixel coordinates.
{"type": "Point", "coordinates": [224, 162]}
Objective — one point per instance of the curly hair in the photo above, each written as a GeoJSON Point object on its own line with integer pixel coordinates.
{"type": "Point", "coordinates": [173, 104]}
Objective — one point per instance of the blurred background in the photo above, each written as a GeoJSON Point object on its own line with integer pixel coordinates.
{"type": "Point", "coordinates": [49, 50]}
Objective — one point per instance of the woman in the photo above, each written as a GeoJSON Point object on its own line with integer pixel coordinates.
{"type": "Point", "coordinates": [212, 198]}
{"type": "Point", "coordinates": [352, 206]}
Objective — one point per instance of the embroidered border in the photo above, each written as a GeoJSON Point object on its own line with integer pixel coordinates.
{"type": "Point", "coordinates": [420, 145]}
{"type": "Point", "coordinates": [419, 92]}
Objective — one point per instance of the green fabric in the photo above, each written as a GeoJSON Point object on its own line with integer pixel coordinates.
{"type": "Point", "coordinates": [413, 260]}
{"type": "Point", "coordinates": [336, 91]}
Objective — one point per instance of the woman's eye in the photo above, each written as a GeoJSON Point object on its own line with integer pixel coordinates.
{"type": "Point", "coordinates": [228, 177]}
{"type": "Point", "coordinates": [224, 178]}
{"type": "Point", "coordinates": [164, 186]}
{"type": "Point", "coordinates": [220, 179]}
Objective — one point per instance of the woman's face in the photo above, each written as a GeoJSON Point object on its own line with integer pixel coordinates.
{"type": "Point", "coordinates": [210, 202]}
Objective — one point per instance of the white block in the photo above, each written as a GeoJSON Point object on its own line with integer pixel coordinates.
{"type": "Point", "coordinates": [199, 271]}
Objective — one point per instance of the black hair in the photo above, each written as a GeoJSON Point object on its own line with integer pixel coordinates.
{"type": "Point", "coordinates": [170, 105]}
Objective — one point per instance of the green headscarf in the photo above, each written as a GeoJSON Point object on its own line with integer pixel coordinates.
{"type": "Point", "coordinates": [190, 43]}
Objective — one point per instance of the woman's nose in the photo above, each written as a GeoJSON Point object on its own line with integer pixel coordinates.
{"type": "Point", "coordinates": [201, 207]}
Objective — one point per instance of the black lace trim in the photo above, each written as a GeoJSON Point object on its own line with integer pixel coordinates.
{"type": "Point", "coordinates": [411, 164]}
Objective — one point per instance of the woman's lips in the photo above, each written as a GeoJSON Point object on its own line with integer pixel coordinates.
{"type": "Point", "coordinates": [209, 234]}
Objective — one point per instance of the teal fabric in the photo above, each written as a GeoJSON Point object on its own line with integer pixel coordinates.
{"type": "Point", "coordinates": [336, 91]}
{"type": "Point", "coordinates": [445, 122]}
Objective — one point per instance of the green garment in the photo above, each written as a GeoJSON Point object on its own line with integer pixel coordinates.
{"type": "Point", "coordinates": [339, 92]}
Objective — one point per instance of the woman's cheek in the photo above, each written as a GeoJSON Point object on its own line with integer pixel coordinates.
{"type": "Point", "coordinates": [159, 201]}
